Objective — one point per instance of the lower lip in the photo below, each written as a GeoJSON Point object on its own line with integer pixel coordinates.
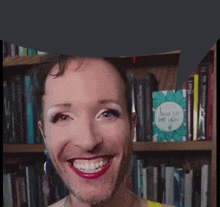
{"type": "Point", "coordinates": [92, 175]}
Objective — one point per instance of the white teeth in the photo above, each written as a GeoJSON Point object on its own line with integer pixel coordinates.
{"type": "Point", "coordinates": [92, 167]}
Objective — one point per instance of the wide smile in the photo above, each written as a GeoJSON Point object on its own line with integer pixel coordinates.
{"type": "Point", "coordinates": [91, 168]}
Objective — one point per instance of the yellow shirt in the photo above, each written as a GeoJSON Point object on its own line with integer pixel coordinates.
{"type": "Point", "coordinates": [153, 204]}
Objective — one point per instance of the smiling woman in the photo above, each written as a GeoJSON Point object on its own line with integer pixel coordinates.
{"type": "Point", "coordinates": [88, 129]}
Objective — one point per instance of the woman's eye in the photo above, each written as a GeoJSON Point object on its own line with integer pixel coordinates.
{"type": "Point", "coordinates": [110, 113]}
{"type": "Point", "coordinates": [60, 117]}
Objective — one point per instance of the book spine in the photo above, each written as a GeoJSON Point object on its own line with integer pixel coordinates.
{"type": "Point", "coordinates": [29, 110]}
{"type": "Point", "coordinates": [178, 187]}
{"type": "Point", "coordinates": [150, 183]}
{"type": "Point", "coordinates": [6, 114]}
{"type": "Point", "coordinates": [197, 187]}
{"type": "Point", "coordinates": [16, 51]}
{"type": "Point", "coordinates": [170, 185]}
{"type": "Point", "coordinates": [203, 94]}
{"type": "Point", "coordinates": [131, 82]}
{"type": "Point", "coordinates": [135, 175]}
{"type": "Point", "coordinates": [25, 51]}
{"type": "Point", "coordinates": [195, 106]}
{"type": "Point", "coordinates": [210, 108]}
{"type": "Point", "coordinates": [189, 108]}
{"type": "Point", "coordinates": [12, 50]}
{"type": "Point", "coordinates": [204, 185]}
{"type": "Point", "coordinates": [5, 51]}
{"type": "Point", "coordinates": [20, 53]}
{"type": "Point", "coordinates": [188, 185]}
{"type": "Point", "coordinates": [144, 173]}
{"type": "Point", "coordinates": [140, 110]}
{"type": "Point", "coordinates": [29, 51]}
{"type": "Point", "coordinates": [150, 85]}
{"type": "Point", "coordinates": [28, 186]}
{"type": "Point", "coordinates": [7, 190]}
{"type": "Point", "coordinates": [13, 186]}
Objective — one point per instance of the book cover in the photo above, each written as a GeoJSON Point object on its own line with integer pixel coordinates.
{"type": "Point", "coordinates": [210, 108]}
{"type": "Point", "coordinates": [189, 108]}
{"type": "Point", "coordinates": [203, 94]}
{"type": "Point", "coordinates": [29, 51]}
{"type": "Point", "coordinates": [29, 110]}
{"type": "Point", "coordinates": [169, 116]}
{"type": "Point", "coordinates": [150, 85]}
{"type": "Point", "coordinates": [195, 106]}
{"type": "Point", "coordinates": [139, 103]}
{"type": "Point", "coordinates": [131, 82]}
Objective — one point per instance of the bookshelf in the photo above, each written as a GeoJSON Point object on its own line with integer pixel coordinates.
{"type": "Point", "coordinates": [163, 66]}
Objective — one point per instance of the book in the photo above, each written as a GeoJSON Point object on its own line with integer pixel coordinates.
{"type": "Point", "coordinates": [195, 106]}
{"type": "Point", "coordinates": [150, 85]}
{"type": "Point", "coordinates": [135, 174]}
{"type": "Point", "coordinates": [196, 194]}
{"type": "Point", "coordinates": [205, 186]}
{"type": "Point", "coordinates": [25, 51]}
{"type": "Point", "coordinates": [188, 183]}
{"type": "Point", "coordinates": [178, 187]}
{"type": "Point", "coordinates": [12, 50]}
{"type": "Point", "coordinates": [131, 82]}
{"type": "Point", "coordinates": [144, 174]}
{"type": "Point", "coordinates": [7, 190]}
{"type": "Point", "coordinates": [161, 184]}
{"type": "Point", "coordinates": [139, 104]}
{"type": "Point", "coordinates": [29, 109]}
{"type": "Point", "coordinates": [169, 171]}
{"type": "Point", "coordinates": [20, 51]}
{"type": "Point", "coordinates": [210, 108]}
{"type": "Point", "coordinates": [203, 94]}
{"type": "Point", "coordinates": [189, 108]}
{"type": "Point", "coordinates": [150, 183]}
{"type": "Point", "coordinates": [169, 116]}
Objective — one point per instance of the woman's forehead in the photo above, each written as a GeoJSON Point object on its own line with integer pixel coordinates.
{"type": "Point", "coordinates": [95, 78]}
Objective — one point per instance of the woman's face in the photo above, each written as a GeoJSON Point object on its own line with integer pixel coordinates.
{"type": "Point", "coordinates": [86, 126]}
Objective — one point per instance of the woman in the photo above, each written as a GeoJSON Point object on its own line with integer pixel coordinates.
{"type": "Point", "coordinates": [88, 129]}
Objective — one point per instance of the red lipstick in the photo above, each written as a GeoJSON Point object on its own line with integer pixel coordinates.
{"type": "Point", "coordinates": [91, 175]}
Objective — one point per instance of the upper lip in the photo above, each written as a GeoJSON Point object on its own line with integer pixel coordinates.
{"type": "Point", "coordinates": [90, 158]}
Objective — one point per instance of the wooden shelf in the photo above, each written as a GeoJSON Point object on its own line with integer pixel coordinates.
{"type": "Point", "coordinates": [137, 147]}
{"type": "Point", "coordinates": [172, 146]}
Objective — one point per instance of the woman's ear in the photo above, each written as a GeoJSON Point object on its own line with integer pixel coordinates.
{"type": "Point", "coordinates": [134, 118]}
{"type": "Point", "coordinates": [40, 126]}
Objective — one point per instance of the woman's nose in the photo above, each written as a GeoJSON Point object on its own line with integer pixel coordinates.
{"type": "Point", "coordinates": [88, 139]}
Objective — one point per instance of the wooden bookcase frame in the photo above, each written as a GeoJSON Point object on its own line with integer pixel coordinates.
{"type": "Point", "coordinates": [20, 153]}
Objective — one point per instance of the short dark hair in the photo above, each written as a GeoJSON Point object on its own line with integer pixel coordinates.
{"type": "Point", "coordinates": [40, 72]}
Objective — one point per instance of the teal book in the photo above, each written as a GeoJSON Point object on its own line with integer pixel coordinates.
{"type": "Point", "coordinates": [169, 116]}
{"type": "Point", "coordinates": [29, 110]}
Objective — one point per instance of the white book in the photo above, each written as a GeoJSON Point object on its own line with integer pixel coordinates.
{"type": "Point", "coordinates": [204, 185]}
{"type": "Point", "coordinates": [7, 190]}
{"type": "Point", "coordinates": [20, 51]}
{"type": "Point", "coordinates": [169, 185]}
{"type": "Point", "coordinates": [144, 173]}
{"type": "Point", "coordinates": [41, 53]}
{"type": "Point", "coordinates": [188, 185]}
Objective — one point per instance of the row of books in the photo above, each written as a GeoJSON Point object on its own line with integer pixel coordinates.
{"type": "Point", "coordinates": [29, 186]}
{"type": "Point", "coordinates": [168, 116]}
{"type": "Point", "coordinates": [19, 113]}
{"type": "Point", "coordinates": [181, 187]}
{"type": "Point", "coordinates": [12, 50]}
